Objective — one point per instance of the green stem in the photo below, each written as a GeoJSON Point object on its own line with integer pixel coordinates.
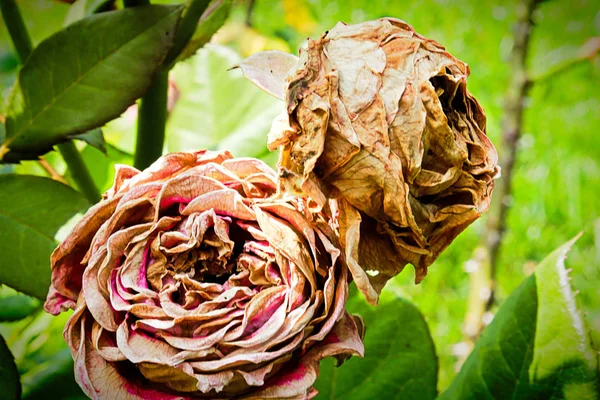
{"type": "Point", "coordinates": [16, 28]}
{"type": "Point", "coordinates": [152, 118]}
{"type": "Point", "coordinates": [22, 42]}
{"type": "Point", "coordinates": [79, 172]}
{"type": "Point", "coordinates": [152, 115]}
{"type": "Point", "coordinates": [135, 3]}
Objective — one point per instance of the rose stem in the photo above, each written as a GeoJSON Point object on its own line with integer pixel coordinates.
{"type": "Point", "coordinates": [23, 45]}
{"type": "Point", "coordinates": [152, 115]}
{"type": "Point", "coordinates": [482, 280]}
{"type": "Point", "coordinates": [16, 29]}
{"type": "Point", "coordinates": [152, 118]}
{"type": "Point", "coordinates": [152, 112]}
{"type": "Point", "coordinates": [79, 172]}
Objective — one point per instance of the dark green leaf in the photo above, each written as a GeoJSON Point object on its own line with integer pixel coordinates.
{"type": "Point", "coordinates": [213, 18]}
{"type": "Point", "coordinates": [192, 12]}
{"type": "Point", "coordinates": [94, 138]}
{"type": "Point", "coordinates": [536, 347]}
{"type": "Point", "coordinates": [10, 385]}
{"type": "Point", "coordinates": [53, 376]}
{"type": "Point", "coordinates": [84, 76]}
{"type": "Point", "coordinates": [84, 8]}
{"type": "Point", "coordinates": [32, 209]}
{"type": "Point", "coordinates": [400, 360]}
{"type": "Point", "coordinates": [499, 362]}
{"type": "Point", "coordinates": [17, 306]}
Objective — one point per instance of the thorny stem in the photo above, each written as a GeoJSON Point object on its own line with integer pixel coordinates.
{"type": "Point", "coordinates": [482, 279]}
{"type": "Point", "coordinates": [485, 257]}
{"type": "Point", "coordinates": [518, 89]}
{"type": "Point", "coordinates": [23, 45]}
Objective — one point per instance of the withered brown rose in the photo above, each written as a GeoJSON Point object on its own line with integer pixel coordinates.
{"type": "Point", "coordinates": [379, 118]}
{"type": "Point", "coordinates": [193, 279]}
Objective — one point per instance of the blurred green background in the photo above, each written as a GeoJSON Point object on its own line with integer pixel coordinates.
{"type": "Point", "coordinates": [556, 187]}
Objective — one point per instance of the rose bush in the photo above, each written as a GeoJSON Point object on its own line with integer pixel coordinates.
{"type": "Point", "coordinates": [195, 279]}
{"type": "Point", "coordinates": [379, 117]}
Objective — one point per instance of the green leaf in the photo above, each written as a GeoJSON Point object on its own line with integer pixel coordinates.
{"type": "Point", "coordinates": [10, 385]}
{"type": "Point", "coordinates": [537, 346]}
{"type": "Point", "coordinates": [84, 8]}
{"type": "Point", "coordinates": [53, 376]}
{"type": "Point", "coordinates": [192, 12]}
{"type": "Point", "coordinates": [562, 348]}
{"type": "Point", "coordinates": [32, 209]}
{"type": "Point", "coordinates": [212, 19]}
{"type": "Point", "coordinates": [400, 360]}
{"type": "Point", "coordinates": [17, 306]}
{"type": "Point", "coordinates": [102, 166]}
{"type": "Point", "coordinates": [84, 76]}
{"type": "Point", "coordinates": [94, 138]}
{"type": "Point", "coordinates": [218, 108]}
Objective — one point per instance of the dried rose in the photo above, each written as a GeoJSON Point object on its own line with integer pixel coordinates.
{"type": "Point", "coordinates": [192, 280]}
{"type": "Point", "coordinates": [380, 118]}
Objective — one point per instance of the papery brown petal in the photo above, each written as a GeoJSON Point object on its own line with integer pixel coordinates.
{"type": "Point", "coordinates": [297, 380]}
{"type": "Point", "coordinates": [268, 70]}
{"type": "Point", "coordinates": [198, 279]}
{"type": "Point", "coordinates": [173, 164]}
{"type": "Point", "coordinates": [93, 292]}
{"type": "Point", "coordinates": [223, 201]}
{"type": "Point", "coordinates": [98, 378]}
{"type": "Point", "coordinates": [285, 240]}
{"type": "Point", "coordinates": [139, 347]}
{"type": "Point", "coordinates": [123, 173]}
{"type": "Point", "coordinates": [66, 260]}
{"type": "Point", "coordinates": [379, 117]}
{"type": "Point", "coordinates": [173, 377]}
{"type": "Point", "coordinates": [104, 345]}
{"type": "Point", "coordinates": [245, 358]}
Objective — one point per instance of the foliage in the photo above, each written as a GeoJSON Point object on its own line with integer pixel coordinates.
{"type": "Point", "coordinates": [9, 376]}
{"type": "Point", "coordinates": [28, 227]}
{"type": "Point", "coordinates": [537, 344]}
{"type": "Point", "coordinates": [400, 360]}
{"type": "Point", "coordinates": [61, 90]}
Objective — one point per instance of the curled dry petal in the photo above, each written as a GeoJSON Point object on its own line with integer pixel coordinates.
{"type": "Point", "coordinates": [379, 118]}
{"type": "Point", "coordinates": [194, 279]}
{"type": "Point", "coordinates": [268, 70]}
